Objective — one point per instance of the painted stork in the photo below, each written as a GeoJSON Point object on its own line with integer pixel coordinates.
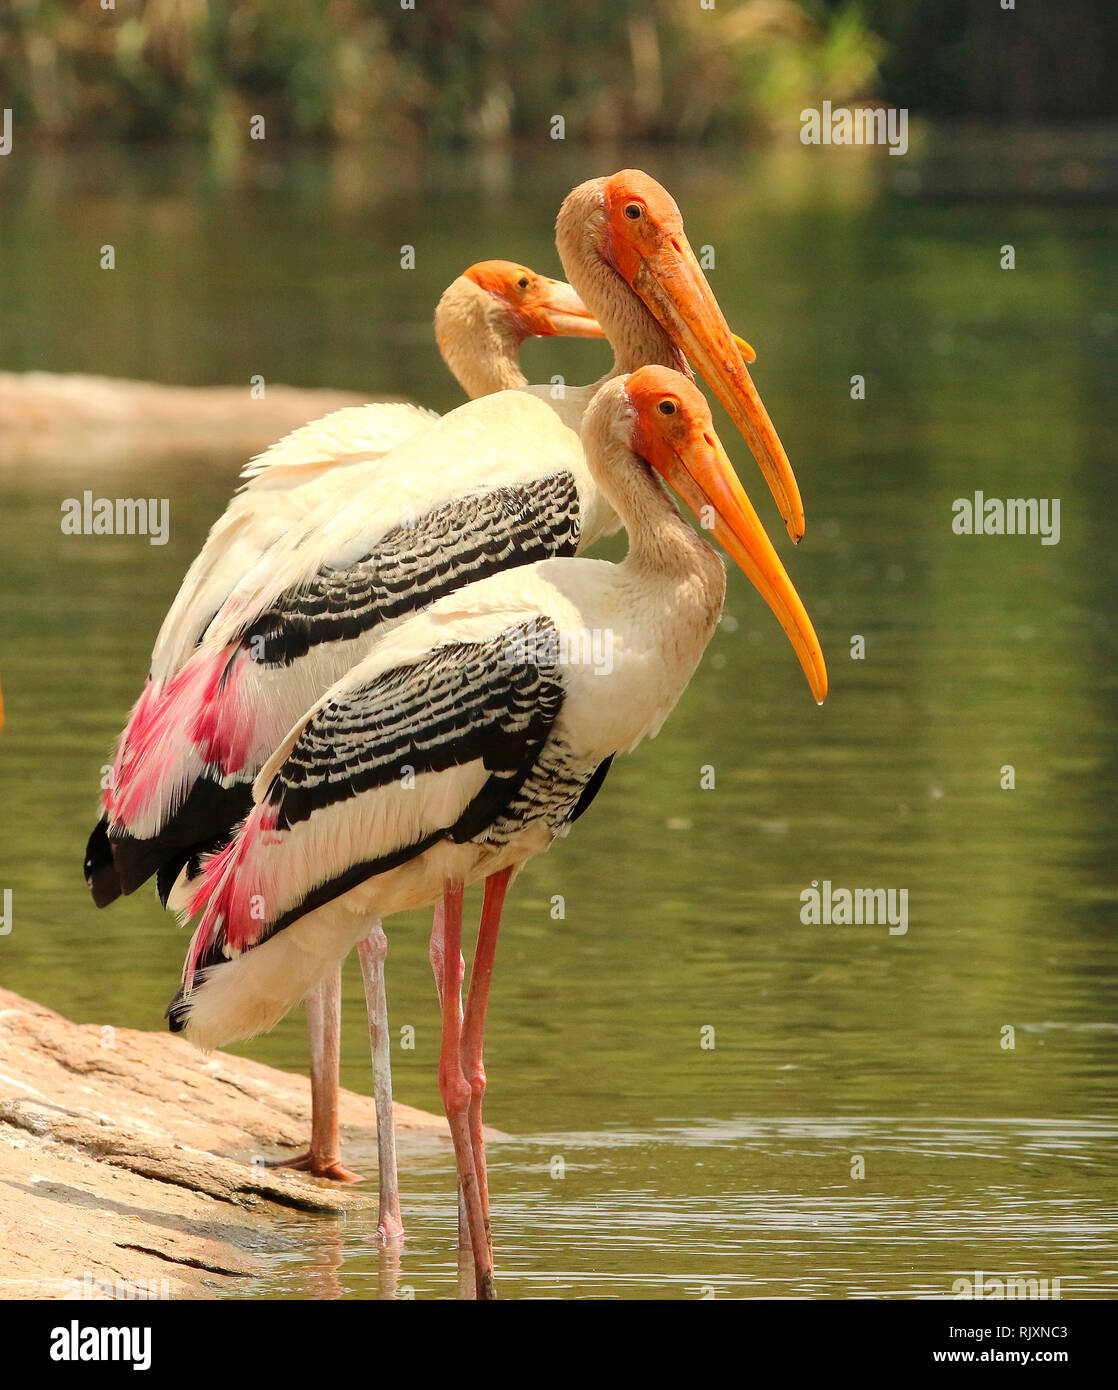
{"type": "Point", "coordinates": [497, 483]}
{"type": "Point", "coordinates": [471, 737]}
{"type": "Point", "coordinates": [481, 322]}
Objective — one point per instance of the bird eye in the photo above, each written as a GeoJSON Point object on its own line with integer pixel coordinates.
{"type": "Point", "coordinates": [667, 407]}
{"type": "Point", "coordinates": [523, 282]}
{"type": "Point", "coordinates": [633, 211]}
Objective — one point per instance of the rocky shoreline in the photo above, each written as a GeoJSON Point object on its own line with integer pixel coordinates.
{"type": "Point", "coordinates": [126, 1161]}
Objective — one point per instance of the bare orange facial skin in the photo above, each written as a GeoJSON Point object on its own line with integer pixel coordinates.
{"type": "Point", "coordinates": [640, 216]}
{"type": "Point", "coordinates": [501, 278]}
{"type": "Point", "coordinates": [671, 415]}
{"type": "Point", "coordinates": [534, 305]}
{"type": "Point", "coordinates": [674, 433]}
{"type": "Point", "coordinates": [644, 240]}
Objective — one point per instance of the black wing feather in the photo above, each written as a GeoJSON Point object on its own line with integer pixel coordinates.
{"type": "Point", "coordinates": [409, 568]}
{"type": "Point", "coordinates": [465, 702]}
{"type": "Point", "coordinates": [412, 566]}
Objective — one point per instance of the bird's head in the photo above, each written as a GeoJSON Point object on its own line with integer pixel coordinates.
{"type": "Point", "coordinates": [530, 305]}
{"type": "Point", "coordinates": [630, 223]}
{"type": "Point", "coordinates": [670, 428]}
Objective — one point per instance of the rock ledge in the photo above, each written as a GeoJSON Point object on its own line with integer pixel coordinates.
{"type": "Point", "coordinates": [126, 1160]}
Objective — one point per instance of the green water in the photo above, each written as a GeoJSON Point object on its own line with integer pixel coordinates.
{"type": "Point", "coordinates": [641, 1163]}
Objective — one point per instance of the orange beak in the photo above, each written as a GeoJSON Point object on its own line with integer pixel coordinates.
{"type": "Point", "coordinates": [747, 352]}
{"type": "Point", "coordinates": [562, 314]}
{"type": "Point", "coordinates": [702, 475]}
{"type": "Point", "coordinates": [672, 284]}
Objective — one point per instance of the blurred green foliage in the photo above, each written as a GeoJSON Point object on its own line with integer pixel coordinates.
{"type": "Point", "coordinates": [454, 72]}
{"type": "Point", "coordinates": [444, 71]}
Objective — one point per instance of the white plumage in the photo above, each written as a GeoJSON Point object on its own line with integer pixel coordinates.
{"type": "Point", "coordinates": [468, 740]}
{"type": "Point", "coordinates": [483, 490]}
{"type": "Point", "coordinates": [659, 608]}
{"type": "Point", "coordinates": [480, 323]}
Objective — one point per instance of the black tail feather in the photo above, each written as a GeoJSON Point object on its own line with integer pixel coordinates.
{"type": "Point", "coordinates": [178, 1010]}
{"type": "Point", "coordinates": [169, 871]}
{"type": "Point", "coordinates": [137, 860]}
{"type": "Point", "coordinates": [202, 823]}
{"type": "Point", "coordinates": [99, 867]}
{"type": "Point", "coordinates": [189, 859]}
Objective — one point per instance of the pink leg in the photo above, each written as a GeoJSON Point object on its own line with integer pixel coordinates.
{"type": "Point", "coordinates": [372, 952]}
{"type": "Point", "coordinates": [436, 953]}
{"type": "Point", "coordinates": [324, 1157]}
{"type": "Point", "coordinates": [455, 1088]}
{"type": "Point", "coordinates": [473, 1034]}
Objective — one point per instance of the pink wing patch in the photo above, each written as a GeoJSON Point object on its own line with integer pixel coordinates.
{"type": "Point", "coordinates": [229, 896]}
{"type": "Point", "coordinates": [195, 717]}
{"type": "Point", "coordinates": [138, 722]}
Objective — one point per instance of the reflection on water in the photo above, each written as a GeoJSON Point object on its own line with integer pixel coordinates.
{"type": "Point", "coordinates": [682, 905]}
{"type": "Point", "coordinates": [753, 1209]}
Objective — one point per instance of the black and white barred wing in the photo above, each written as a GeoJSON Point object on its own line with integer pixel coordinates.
{"type": "Point", "coordinates": [324, 593]}
{"type": "Point", "coordinates": [416, 562]}
{"type": "Point", "coordinates": [394, 760]}
{"type": "Point", "coordinates": [282, 487]}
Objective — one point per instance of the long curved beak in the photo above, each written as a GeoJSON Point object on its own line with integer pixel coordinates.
{"type": "Point", "coordinates": [674, 287]}
{"type": "Point", "coordinates": [748, 352]}
{"type": "Point", "coordinates": [562, 314]}
{"type": "Point", "coordinates": [566, 316]}
{"type": "Point", "coordinates": [703, 477]}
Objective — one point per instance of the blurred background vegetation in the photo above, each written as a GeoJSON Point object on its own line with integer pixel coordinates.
{"type": "Point", "coordinates": [283, 259]}
{"type": "Point", "coordinates": [450, 72]}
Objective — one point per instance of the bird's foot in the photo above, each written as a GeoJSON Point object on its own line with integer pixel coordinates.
{"type": "Point", "coordinates": [318, 1167]}
{"type": "Point", "coordinates": [390, 1231]}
